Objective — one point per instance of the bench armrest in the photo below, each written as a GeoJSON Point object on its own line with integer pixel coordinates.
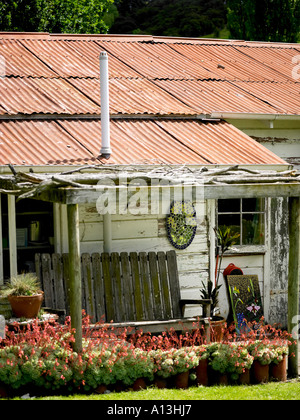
{"type": "Point", "coordinates": [205, 303]}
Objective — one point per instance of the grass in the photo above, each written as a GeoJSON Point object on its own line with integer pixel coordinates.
{"type": "Point", "coordinates": [271, 391]}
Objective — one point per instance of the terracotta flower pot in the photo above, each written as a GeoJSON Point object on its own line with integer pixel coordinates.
{"type": "Point", "coordinates": [119, 386]}
{"type": "Point", "coordinates": [160, 382]}
{"type": "Point", "coordinates": [223, 379]}
{"type": "Point", "coordinates": [202, 372]}
{"type": "Point", "coordinates": [260, 373]}
{"type": "Point", "coordinates": [217, 378]}
{"type": "Point", "coordinates": [139, 384]}
{"type": "Point", "coordinates": [244, 378]}
{"type": "Point", "coordinates": [101, 389]}
{"type": "Point", "coordinates": [3, 391]}
{"type": "Point", "coordinates": [278, 371]}
{"type": "Point", "coordinates": [26, 306]}
{"type": "Point", "coordinates": [182, 380]}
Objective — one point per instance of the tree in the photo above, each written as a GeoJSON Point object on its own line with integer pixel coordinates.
{"type": "Point", "coordinates": [18, 15]}
{"type": "Point", "coordinates": [264, 20]}
{"type": "Point", "coordinates": [170, 17]}
{"type": "Point", "coordinates": [71, 16]}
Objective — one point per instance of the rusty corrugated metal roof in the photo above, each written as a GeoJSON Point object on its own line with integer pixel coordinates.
{"type": "Point", "coordinates": [214, 95]}
{"type": "Point", "coordinates": [53, 81]}
{"type": "Point", "coordinates": [134, 96]}
{"type": "Point", "coordinates": [42, 142]}
{"type": "Point", "coordinates": [44, 96]}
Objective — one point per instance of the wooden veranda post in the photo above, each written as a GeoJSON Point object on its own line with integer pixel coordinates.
{"type": "Point", "coordinates": [293, 282]}
{"type": "Point", "coordinates": [74, 285]}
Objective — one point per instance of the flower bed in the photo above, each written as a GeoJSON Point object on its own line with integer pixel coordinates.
{"type": "Point", "coordinates": [43, 359]}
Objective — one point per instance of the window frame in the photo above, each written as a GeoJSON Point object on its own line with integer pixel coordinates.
{"type": "Point", "coordinates": [240, 247]}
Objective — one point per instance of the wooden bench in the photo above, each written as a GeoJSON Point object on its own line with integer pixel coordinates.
{"type": "Point", "coordinates": [140, 290]}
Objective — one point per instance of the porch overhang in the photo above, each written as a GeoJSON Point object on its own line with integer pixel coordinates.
{"type": "Point", "coordinates": [232, 182]}
{"type": "Point", "coordinates": [81, 196]}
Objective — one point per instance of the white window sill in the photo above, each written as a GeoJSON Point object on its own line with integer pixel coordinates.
{"type": "Point", "coordinates": [246, 250]}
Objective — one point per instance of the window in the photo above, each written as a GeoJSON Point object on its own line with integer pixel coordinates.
{"type": "Point", "coordinates": [245, 216]}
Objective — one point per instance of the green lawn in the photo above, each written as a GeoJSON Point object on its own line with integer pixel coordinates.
{"type": "Point", "coordinates": [271, 391]}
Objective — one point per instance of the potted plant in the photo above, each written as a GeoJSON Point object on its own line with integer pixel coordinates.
{"type": "Point", "coordinates": [226, 239]}
{"type": "Point", "coordinates": [278, 366]}
{"type": "Point", "coordinates": [263, 355]}
{"type": "Point", "coordinates": [201, 370]}
{"type": "Point", "coordinates": [218, 364]}
{"type": "Point", "coordinates": [239, 362]}
{"type": "Point", "coordinates": [175, 363]}
{"type": "Point", "coordinates": [24, 295]}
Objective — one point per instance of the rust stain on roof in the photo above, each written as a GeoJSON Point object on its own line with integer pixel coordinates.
{"type": "Point", "coordinates": [57, 77]}
{"type": "Point", "coordinates": [132, 141]}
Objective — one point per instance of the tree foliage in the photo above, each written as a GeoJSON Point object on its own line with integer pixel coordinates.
{"type": "Point", "coordinates": [170, 17]}
{"type": "Point", "coordinates": [69, 16]}
{"type": "Point", "coordinates": [264, 20]}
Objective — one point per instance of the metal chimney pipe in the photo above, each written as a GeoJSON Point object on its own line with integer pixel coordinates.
{"type": "Point", "coordinates": [104, 91]}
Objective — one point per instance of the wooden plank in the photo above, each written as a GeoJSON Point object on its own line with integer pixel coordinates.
{"type": "Point", "coordinates": [75, 275]}
{"type": "Point", "coordinates": [156, 287]}
{"type": "Point", "coordinates": [47, 280]}
{"type": "Point", "coordinates": [138, 296]}
{"type": "Point", "coordinates": [181, 324]}
{"type": "Point", "coordinates": [72, 196]}
{"type": "Point", "coordinates": [165, 290]}
{"type": "Point", "coordinates": [146, 285]}
{"type": "Point", "coordinates": [127, 287]}
{"type": "Point", "coordinates": [1, 248]}
{"type": "Point", "coordinates": [98, 287]}
{"type": "Point", "coordinates": [293, 284]}
{"type": "Point", "coordinates": [173, 283]}
{"type": "Point", "coordinates": [12, 236]}
{"type": "Point", "coordinates": [109, 299]}
{"type": "Point", "coordinates": [38, 269]}
{"type": "Point", "coordinates": [65, 259]}
{"type": "Point", "coordinates": [88, 286]}
{"type": "Point", "coordinates": [58, 286]}
{"type": "Point", "coordinates": [119, 306]}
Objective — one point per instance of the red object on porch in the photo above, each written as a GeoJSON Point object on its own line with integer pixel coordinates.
{"type": "Point", "coordinates": [232, 270]}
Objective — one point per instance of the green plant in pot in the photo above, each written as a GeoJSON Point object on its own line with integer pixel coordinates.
{"type": "Point", "coordinates": [24, 295]}
{"type": "Point", "coordinates": [226, 239]}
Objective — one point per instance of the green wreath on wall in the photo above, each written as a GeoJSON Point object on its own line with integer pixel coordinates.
{"type": "Point", "coordinates": [181, 224]}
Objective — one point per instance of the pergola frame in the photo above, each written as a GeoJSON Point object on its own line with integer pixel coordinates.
{"type": "Point", "coordinates": [232, 182]}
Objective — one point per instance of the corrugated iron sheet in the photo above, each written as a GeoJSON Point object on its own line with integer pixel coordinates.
{"type": "Point", "coordinates": [43, 96]}
{"type": "Point", "coordinates": [40, 143]}
{"type": "Point", "coordinates": [227, 62]}
{"type": "Point", "coordinates": [47, 75]}
{"type": "Point", "coordinates": [21, 62]}
{"type": "Point", "coordinates": [67, 142]}
{"type": "Point", "coordinates": [67, 58]}
{"type": "Point", "coordinates": [214, 95]}
{"type": "Point", "coordinates": [156, 61]}
{"type": "Point", "coordinates": [272, 95]}
{"type": "Point", "coordinates": [134, 96]}
{"type": "Point", "coordinates": [183, 75]}
{"type": "Point", "coordinates": [219, 142]}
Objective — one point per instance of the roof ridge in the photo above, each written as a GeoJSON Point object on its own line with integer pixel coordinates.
{"type": "Point", "coordinates": [144, 38]}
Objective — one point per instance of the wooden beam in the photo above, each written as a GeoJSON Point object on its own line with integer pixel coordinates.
{"type": "Point", "coordinates": [12, 233]}
{"type": "Point", "coordinates": [84, 195]}
{"type": "Point", "coordinates": [293, 283]}
{"type": "Point", "coordinates": [1, 247]}
{"type": "Point", "coordinates": [74, 281]}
